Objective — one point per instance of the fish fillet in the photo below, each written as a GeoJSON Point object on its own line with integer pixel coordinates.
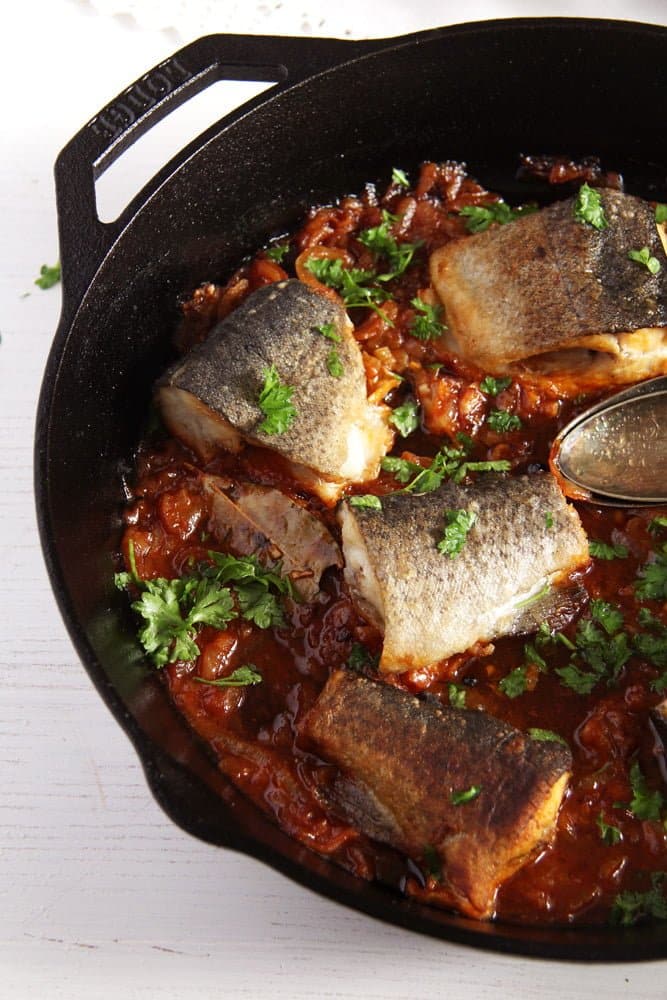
{"type": "Point", "coordinates": [547, 283]}
{"type": "Point", "coordinates": [401, 760]}
{"type": "Point", "coordinates": [525, 538]}
{"type": "Point", "coordinates": [209, 399]}
{"type": "Point", "coordinates": [259, 520]}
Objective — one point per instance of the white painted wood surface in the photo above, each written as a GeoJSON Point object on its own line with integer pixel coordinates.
{"type": "Point", "coordinates": [101, 896]}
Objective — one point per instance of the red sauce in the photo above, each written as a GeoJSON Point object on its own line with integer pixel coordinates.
{"type": "Point", "coordinates": [252, 731]}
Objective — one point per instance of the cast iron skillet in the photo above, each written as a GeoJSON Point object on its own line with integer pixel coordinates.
{"type": "Point", "coordinates": [340, 114]}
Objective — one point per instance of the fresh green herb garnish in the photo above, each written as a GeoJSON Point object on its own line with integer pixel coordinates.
{"type": "Point", "coordinates": [365, 500]}
{"type": "Point", "coordinates": [328, 330]}
{"type": "Point", "coordinates": [607, 615]}
{"type": "Point", "coordinates": [644, 803]}
{"type": "Point", "coordinates": [427, 325]}
{"type": "Point", "coordinates": [609, 834]}
{"type": "Point", "coordinates": [448, 463]}
{"type": "Point", "coordinates": [501, 421]}
{"type": "Point", "coordinates": [652, 647]}
{"type": "Point", "coordinates": [405, 418]}
{"type": "Point", "coordinates": [275, 403]}
{"type": "Point", "coordinates": [652, 583]}
{"type": "Point", "coordinates": [400, 178]}
{"type": "Point", "coordinates": [351, 283]}
{"type": "Point", "coordinates": [588, 208]}
{"type": "Point", "coordinates": [402, 469]}
{"type": "Point", "coordinates": [660, 213]}
{"type": "Point", "coordinates": [577, 680]}
{"type": "Point", "coordinates": [334, 364]}
{"type": "Point", "coordinates": [277, 252]}
{"type": "Point", "coordinates": [533, 657]}
{"type": "Point", "coordinates": [644, 258]}
{"type": "Point", "coordinates": [479, 217]}
{"type": "Point", "coordinates": [657, 524]}
{"type": "Point", "coordinates": [457, 695]}
{"type": "Point", "coordinates": [457, 526]}
{"type": "Point", "coordinates": [515, 683]}
{"type": "Point", "coordinates": [380, 242]}
{"type": "Point", "coordinates": [48, 276]}
{"type": "Point", "coordinates": [549, 520]}
{"type": "Point", "coordinates": [630, 907]}
{"type": "Point", "coordinates": [460, 798]}
{"type": "Point", "coordinates": [534, 598]}
{"type": "Point", "coordinates": [241, 677]}
{"type": "Point", "coordinates": [546, 736]}
{"type": "Point", "coordinates": [492, 386]}
{"type": "Point", "coordinates": [600, 550]}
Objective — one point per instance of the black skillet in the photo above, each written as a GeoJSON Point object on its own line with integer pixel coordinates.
{"type": "Point", "coordinates": [341, 113]}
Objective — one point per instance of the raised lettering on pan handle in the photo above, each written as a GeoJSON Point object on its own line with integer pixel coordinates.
{"type": "Point", "coordinates": [84, 240]}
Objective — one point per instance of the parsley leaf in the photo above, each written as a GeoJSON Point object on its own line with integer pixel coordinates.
{"type": "Point", "coordinates": [600, 550]}
{"type": "Point", "coordinates": [644, 804]}
{"type": "Point", "coordinates": [629, 907]}
{"type": "Point", "coordinates": [577, 680]}
{"type": "Point", "coordinates": [351, 283]}
{"type": "Point", "coordinates": [380, 241]}
{"type": "Point", "coordinates": [427, 324]}
{"type": "Point", "coordinates": [502, 421]}
{"type": "Point", "coordinates": [607, 615]}
{"type": "Point", "coordinates": [549, 520]}
{"type": "Point", "coordinates": [360, 658]}
{"type": "Point", "coordinates": [546, 736]}
{"type": "Point", "coordinates": [533, 657]}
{"type": "Point", "coordinates": [275, 403]}
{"type": "Point", "coordinates": [492, 386]}
{"type": "Point", "coordinates": [48, 276]}
{"type": "Point", "coordinates": [405, 418]}
{"type": "Point", "coordinates": [334, 364]}
{"type": "Point", "coordinates": [609, 834]}
{"type": "Point", "coordinates": [365, 500]}
{"type": "Point", "coordinates": [457, 695]}
{"type": "Point", "coordinates": [448, 463]}
{"type": "Point", "coordinates": [644, 258]}
{"type": "Point", "coordinates": [588, 208]}
{"type": "Point", "coordinates": [328, 330]}
{"type": "Point", "coordinates": [479, 217]}
{"type": "Point", "coordinates": [241, 677]}
{"type": "Point", "coordinates": [457, 526]}
{"type": "Point", "coordinates": [652, 647]}
{"type": "Point", "coordinates": [657, 524]}
{"type": "Point", "coordinates": [515, 683]}
{"type": "Point", "coordinates": [277, 252]}
{"type": "Point", "coordinates": [258, 604]}
{"type": "Point", "coordinates": [467, 795]}
{"type": "Point", "coordinates": [402, 469]}
{"type": "Point", "coordinates": [652, 584]}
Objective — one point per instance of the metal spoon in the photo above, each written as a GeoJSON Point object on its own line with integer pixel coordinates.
{"type": "Point", "coordinates": [615, 453]}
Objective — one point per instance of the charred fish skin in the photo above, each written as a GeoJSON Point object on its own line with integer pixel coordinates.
{"type": "Point", "coordinates": [547, 281]}
{"type": "Point", "coordinates": [524, 538]}
{"type": "Point", "coordinates": [210, 398]}
{"type": "Point", "coordinates": [402, 762]}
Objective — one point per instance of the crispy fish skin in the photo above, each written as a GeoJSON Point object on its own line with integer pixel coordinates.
{"type": "Point", "coordinates": [210, 398]}
{"type": "Point", "coordinates": [430, 606]}
{"type": "Point", "coordinates": [401, 760]}
{"type": "Point", "coordinates": [547, 282]}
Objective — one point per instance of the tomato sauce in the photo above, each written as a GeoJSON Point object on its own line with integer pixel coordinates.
{"type": "Point", "coordinates": [253, 730]}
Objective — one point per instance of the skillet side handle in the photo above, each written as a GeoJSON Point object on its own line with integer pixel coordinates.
{"type": "Point", "coordinates": [84, 240]}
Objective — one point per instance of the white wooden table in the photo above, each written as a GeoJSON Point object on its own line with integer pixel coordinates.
{"type": "Point", "coordinates": [101, 895]}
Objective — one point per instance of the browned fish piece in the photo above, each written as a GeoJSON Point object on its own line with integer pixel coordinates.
{"type": "Point", "coordinates": [210, 399]}
{"type": "Point", "coordinates": [404, 761]}
{"type": "Point", "coordinates": [525, 539]}
{"type": "Point", "coordinates": [259, 520]}
{"type": "Point", "coordinates": [548, 283]}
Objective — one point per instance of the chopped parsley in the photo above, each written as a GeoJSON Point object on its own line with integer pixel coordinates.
{"type": "Point", "coordinates": [630, 907]}
{"type": "Point", "coordinates": [608, 615]}
{"type": "Point", "coordinates": [657, 524]}
{"type": "Point", "coordinates": [366, 500]}
{"type": "Point", "coordinates": [534, 658]}
{"type": "Point", "coordinates": [457, 526]}
{"type": "Point", "coordinates": [427, 324]}
{"type": "Point", "coordinates": [576, 679]}
{"type": "Point", "coordinates": [360, 658]}
{"type": "Point", "coordinates": [644, 804]}
{"type": "Point", "coordinates": [277, 252]}
{"type": "Point", "coordinates": [401, 468]}
{"type": "Point", "coordinates": [460, 798]}
{"type": "Point", "coordinates": [241, 677]}
{"type": "Point", "coordinates": [405, 418]}
{"type": "Point", "coordinates": [380, 241]}
{"type": "Point", "coordinates": [275, 403]}
{"type": "Point", "coordinates": [492, 386]}
{"type": "Point", "coordinates": [448, 463]}
{"type": "Point", "coordinates": [652, 583]}
{"type": "Point", "coordinates": [479, 217]}
{"type": "Point", "coordinates": [600, 550]}
{"type": "Point", "coordinates": [645, 258]}
{"type": "Point", "coordinates": [351, 283]}
{"type": "Point", "coordinates": [334, 364]}
{"type": "Point", "coordinates": [609, 834]}
{"type": "Point", "coordinates": [653, 648]}
{"type": "Point", "coordinates": [515, 683]}
{"type": "Point", "coordinates": [501, 421]}
{"type": "Point", "coordinates": [328, 330]}
{"type": "Point", "coordinates": [588, 208]}
{"type": "Point", "coordinates": [549, 520]}
{"type": "Point", "coordinates": [48, 276]}
{"type": "Point", "coordinates": [546, 736]}
{"type": "Point", "coordinates": [400, 178]}
{"type": "Point", "coordinates": [457, 695]}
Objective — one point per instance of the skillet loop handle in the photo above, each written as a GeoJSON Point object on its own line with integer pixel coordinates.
{"type": "Point", "coordinates": [84, 240]}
